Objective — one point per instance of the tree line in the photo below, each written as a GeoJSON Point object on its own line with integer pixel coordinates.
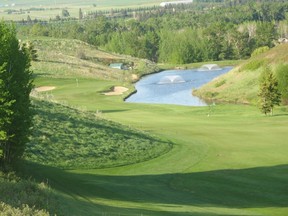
{"type": "Point", "coordinates": [180, 35]}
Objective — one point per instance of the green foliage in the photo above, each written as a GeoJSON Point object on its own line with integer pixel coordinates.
{"type": "Point", "coordinates": [65, 13]}
{"type": "Point", "coordinates": [24, 210]}
{"type": "Point", "coordinates": [25, 198]}
{"type": "Point", "coordinates": [220, 83]}
{"type": "Point", "coordinates": [32, 51]}
{"type": "Point", "coordinates": [269, 94]}
{"type": "Point", "coordinates": [282, 76]}
{"type": "Point", "coordinates": [253, 65]}
{"type": "Point", "coordinates": [68, 138]}
{"type": "Point", "coordinates": [15, 88]}
{"type": "Point", "coordinates": [184, 35]}
{"type": "Point", "coordinates": [266, 34]}
{"type": "Point", "coordinates": [259, 51]}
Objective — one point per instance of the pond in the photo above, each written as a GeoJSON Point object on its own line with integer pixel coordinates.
{"type": "Point", "coordinates": [175, 86]}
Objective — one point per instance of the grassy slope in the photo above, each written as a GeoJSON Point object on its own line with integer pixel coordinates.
{"type": "Point", "coordinates": [231, 163]}
{"type": "Point", "coordinates": [241, 84]}
{"type": "Point", "coordinates": [66, 58]}
{"type": "Point", "coordinates": [68, 138]}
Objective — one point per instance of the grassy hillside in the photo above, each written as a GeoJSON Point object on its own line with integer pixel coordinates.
{"type": "Point", "coordinates": [241, 85]}
{"type": "Point", "coordinates": [67, 58]}
{"type": "Point", "coordinates": [69, 138]}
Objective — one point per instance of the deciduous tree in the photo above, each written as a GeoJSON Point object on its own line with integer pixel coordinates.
{"type": "Point", "coordinates": [15, 88]}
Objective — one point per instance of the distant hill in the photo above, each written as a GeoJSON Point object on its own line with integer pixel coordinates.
{"type": "Point", "coordinates": [68, 58]}
{"type": "Point", "coordinates": [241, 85]}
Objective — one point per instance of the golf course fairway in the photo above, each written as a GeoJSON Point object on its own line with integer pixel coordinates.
{"type": "Point", "coordinates": [230, 162]}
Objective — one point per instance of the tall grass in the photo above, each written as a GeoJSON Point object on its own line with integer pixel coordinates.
{"type": "Point", "coordinates": [26, 198]}
{"type": "Point", "coordinates": [68, 138]}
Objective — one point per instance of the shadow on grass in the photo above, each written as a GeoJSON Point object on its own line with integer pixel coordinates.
{"type": "Point", "coordinates": [260, 187]}
{"type": "Point", "coordinates": [115, 111]}
{"type": "Point", "coordinates": [279, 115]}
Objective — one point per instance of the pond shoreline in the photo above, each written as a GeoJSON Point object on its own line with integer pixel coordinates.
{"type": "Point", "coordinates": [173, 86]}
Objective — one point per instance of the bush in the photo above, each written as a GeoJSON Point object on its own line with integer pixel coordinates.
{"type": "Point", "coordinates": [260, 50]}
{"type": "Point", "coordinates": [282, 77]}
{"type": "Point", "coordinates": [220, 83]}
{"type": "Point", "coordinates": [22, 197]}
{"type": "Point", "coordinates": [253, 65]}
{"type": "Point", "coordinates": [81, 55]}
{"type": "Point", "coordinates": [24, 210]}
{"type": "Point", "coordinates": [210, 95]}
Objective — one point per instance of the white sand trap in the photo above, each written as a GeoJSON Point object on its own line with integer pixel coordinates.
{"type": "Point", "coordinates": [44, 88]}
{"type": "Point", "coordinates": [117, 90]}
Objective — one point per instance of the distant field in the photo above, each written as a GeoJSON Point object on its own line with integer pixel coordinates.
{"type": "Point", "coordinates": [52, 8]}
{"type": "Point", "coordinates": [99, 3]}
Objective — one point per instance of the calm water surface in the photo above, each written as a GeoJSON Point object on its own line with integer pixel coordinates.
{"type": "Point", "coordinates": [174, 86]}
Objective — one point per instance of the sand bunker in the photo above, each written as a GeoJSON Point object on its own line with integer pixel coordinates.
{"type": "Point", "coordinates": [117, 90]}
{"type": "Point", "coordinates": [44, 88]}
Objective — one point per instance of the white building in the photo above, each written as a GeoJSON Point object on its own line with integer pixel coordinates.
{"type": "Point", "coordinates": [164, 4]}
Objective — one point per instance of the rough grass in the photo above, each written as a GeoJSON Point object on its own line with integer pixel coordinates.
{"type": "Point", "coordinates": [25, 198]}
{"type": "Point", "coordinates": [242, 83]}
{"type": "Point", "coordinates": [69, 138]}
{"type": "Point", "coordinates": [67, 58]}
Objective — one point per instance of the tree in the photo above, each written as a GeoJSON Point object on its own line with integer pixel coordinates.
{"type": "Point", "coordinates": [32, 51]}
{"type": "Point", "coordinates": [65, 13]}
{"type": "Point", "coordinates": [282, 75]}
{"type": "Point", "coordinates": [269, 93]}
{"type": "Point", "coordinates": [80, 14]}
{"type": "Point", "coordinates": [15, 87]}
{"type": "Point", "coordinates": [29, 20]}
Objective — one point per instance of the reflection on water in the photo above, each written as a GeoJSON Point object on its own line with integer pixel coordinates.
{"type": "Point", "coordinates": [174, 86]}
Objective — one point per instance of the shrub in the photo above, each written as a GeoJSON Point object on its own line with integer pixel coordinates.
{"type": "Point", "coordinates": [282, 77]}
{"type": "Point", "coordinates": [81, 55]}
{"type": "Point", "coordinates": [220, 83]}
{"type": "Point", "coordinates": [253, 65]}
{"type": "Point", "coordinates": [24, 210]}
{"type": "Point", "coordinates": [259, 51]}
{"type": "Point", "coordinates": [22, 197]}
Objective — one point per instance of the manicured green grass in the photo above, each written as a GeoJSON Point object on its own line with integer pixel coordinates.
{"type": "Point", "coordinates": [231, 163]}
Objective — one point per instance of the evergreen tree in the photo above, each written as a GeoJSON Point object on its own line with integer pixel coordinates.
{"type": "Point", "coordinates": [65, 13]}
{"type": "Point", "coordinates": [80, 14]}
{"type": "Point", "coordinates": [269, 93]}
{"type": "Point", "coordinates": [32, 51]}
{"type": "Point", "coordinates": [15, 88]}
